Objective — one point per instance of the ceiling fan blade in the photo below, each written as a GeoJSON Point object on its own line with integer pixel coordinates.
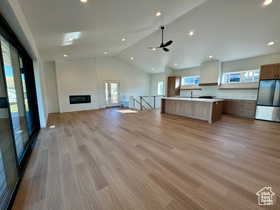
{"type": "Point", "coordinates": [168, 43]}
{"type": "Point", "coordinates": [163, 45]}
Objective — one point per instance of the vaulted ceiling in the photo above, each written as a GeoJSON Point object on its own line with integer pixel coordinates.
{"type": "Point", "coordinates": [224, 29]}
{"type": "Point", "coordinates": [101, 23]}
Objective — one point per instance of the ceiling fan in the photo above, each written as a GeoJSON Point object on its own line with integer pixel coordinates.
{"type": "Point", "coordinates": [163, 45]}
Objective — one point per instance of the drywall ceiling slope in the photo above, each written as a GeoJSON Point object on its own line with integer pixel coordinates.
{"type": "Point", "coordinates": [102, 23]}
{"type": "Point", "coordinates": [227, 30]}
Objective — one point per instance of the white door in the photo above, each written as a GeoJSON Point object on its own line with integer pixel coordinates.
{"type": "Point", "coordinates": [112, 93]}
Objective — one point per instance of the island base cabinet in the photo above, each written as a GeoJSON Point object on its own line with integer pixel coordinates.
{"type": "Point", "coordinates": [210, 112]}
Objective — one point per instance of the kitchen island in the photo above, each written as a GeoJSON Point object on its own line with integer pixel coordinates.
{"type": "Point", "coordinates": [197, 108]}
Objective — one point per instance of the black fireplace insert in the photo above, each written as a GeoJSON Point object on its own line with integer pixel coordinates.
{"type": "Point", "coordinates": [80, 99]}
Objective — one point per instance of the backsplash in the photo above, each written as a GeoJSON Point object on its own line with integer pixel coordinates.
{"type": "Point", "coordinates": [227, 94]}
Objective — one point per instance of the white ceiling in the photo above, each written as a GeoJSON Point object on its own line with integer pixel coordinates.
{"type": "Point", "coordinates": [225, 29]}
{"type": "Point", "coordinates": [102, 23]}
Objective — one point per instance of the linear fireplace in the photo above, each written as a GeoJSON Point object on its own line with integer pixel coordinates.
{"type": "Point", "coordinates": [80, 99]}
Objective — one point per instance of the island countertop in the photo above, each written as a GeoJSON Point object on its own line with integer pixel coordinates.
{"type": "Point", "coordinates": [193, 99]}
{"type": "Point", "coordinates": [196, 108]}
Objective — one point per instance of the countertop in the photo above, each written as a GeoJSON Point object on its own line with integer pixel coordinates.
{"type": "Point", "coordinates": [193, 99]}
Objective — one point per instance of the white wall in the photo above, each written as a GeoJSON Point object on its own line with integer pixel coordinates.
{"type": "Point", "coordinates": [154, 78]}
{"type": "Point", "coordinates": [76, 78]}
{"type": "Point", "coordinates": [51, 87]}
{"type": "Point", "coordinates": [154, 82]}
{"type": "Point", "coordinates": [158, 77]}
{"type": "Point", "coordinates": [87, 76]}
{"type": "Point", "coordinates": [250, 63]}
{"type": "Point", "coordinates": [133, 81]}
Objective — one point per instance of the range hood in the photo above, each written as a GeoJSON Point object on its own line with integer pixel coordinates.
{"type": "Point", "coordinates": [210, 73]}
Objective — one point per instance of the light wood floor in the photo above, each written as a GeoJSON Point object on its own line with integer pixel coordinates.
{"type": "Point", "coordinates": [107, 160]}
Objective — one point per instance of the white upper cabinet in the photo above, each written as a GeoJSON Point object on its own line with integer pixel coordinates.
{"type": "Point", "coordinates": [210, 73]}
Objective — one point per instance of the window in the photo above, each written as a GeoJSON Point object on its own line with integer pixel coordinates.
{"type": "Point", "coordinates": [160, 88]}
{"type": "Point", "coordinates": [241, 77]}
{"type": "Point", "coordinates": [192, 80]}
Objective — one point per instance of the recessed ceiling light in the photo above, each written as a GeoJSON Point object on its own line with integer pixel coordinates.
{"type": "Point", "coordinates": [191, 33]}
{"type": "Point", "coordinates": [154, 49]}
{"type": "Point", "coordinates": [175, 64]}
{"type": "Point", "coordinates": [158, 14]}
{"type": "Point", "coordinates": [65, 55]}
{"type": "Point", "coordinates": [210, 57]}
{"type": "Point", "coordinates": [105, 53]}
{"type": "Point", "coordinates": [132, 58]}
{"type": "Point", "coordinates": [83, 1]}
{"type": "Point", "coordinates": [123, 39]}
{"type": "Point", "coordinates": [267, 2]}
{"type": "Point", "coordinates": [271, 43]}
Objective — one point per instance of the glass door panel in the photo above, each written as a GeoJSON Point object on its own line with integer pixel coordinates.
{"type": "Point", "coordinates": [8, 162]}
{"type": "Point", "coordinates": [107, 97]}
{"type": "Point", "coordinates": [15, 96]}
{"type": "Point", "coordinates": [25, 98]}
{"type": "Point", "coordinates": [112, 93]}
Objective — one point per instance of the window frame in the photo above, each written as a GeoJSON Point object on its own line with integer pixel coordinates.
{"type": "Point", "coordinates": [227, 82]}
{"type": "Point", "coordinates": [193, 76]}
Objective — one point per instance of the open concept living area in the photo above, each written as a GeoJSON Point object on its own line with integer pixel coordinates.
{"type": "Point", "coordinates": [139, 105]}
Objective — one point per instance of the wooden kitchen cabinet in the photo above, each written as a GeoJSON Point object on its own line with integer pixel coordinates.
{"type": "Point", "coordinates": [241, 108]}
{"type": "Point", "coordinates": [173, 86]}
{"type": "Point", "coordinates": [271, 71]}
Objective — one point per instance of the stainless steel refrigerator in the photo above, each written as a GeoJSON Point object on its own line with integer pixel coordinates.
{"type": "Point", "coordinates": [268, 103]}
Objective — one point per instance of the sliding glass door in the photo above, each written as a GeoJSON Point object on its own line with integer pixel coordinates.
{"type": "Point", "coordinates": [8, 162]}
{"type": "Point", "coordinates": [19, 117]}
{"type": "Point", "coordinates": [15, 96]}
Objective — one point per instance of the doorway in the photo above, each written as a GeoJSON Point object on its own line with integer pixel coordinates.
{"type": "Point", "coordinates": [112, 93]}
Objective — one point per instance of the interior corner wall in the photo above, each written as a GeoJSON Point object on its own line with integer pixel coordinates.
{"type": "Point", "coordinates": [154, 82]}
{"type": "Point", "coordinates": [159, 77]}
{"type": "Point", "coordinates": [87, 76]}
{"type": "Point", "coordinates": [51, 87]}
